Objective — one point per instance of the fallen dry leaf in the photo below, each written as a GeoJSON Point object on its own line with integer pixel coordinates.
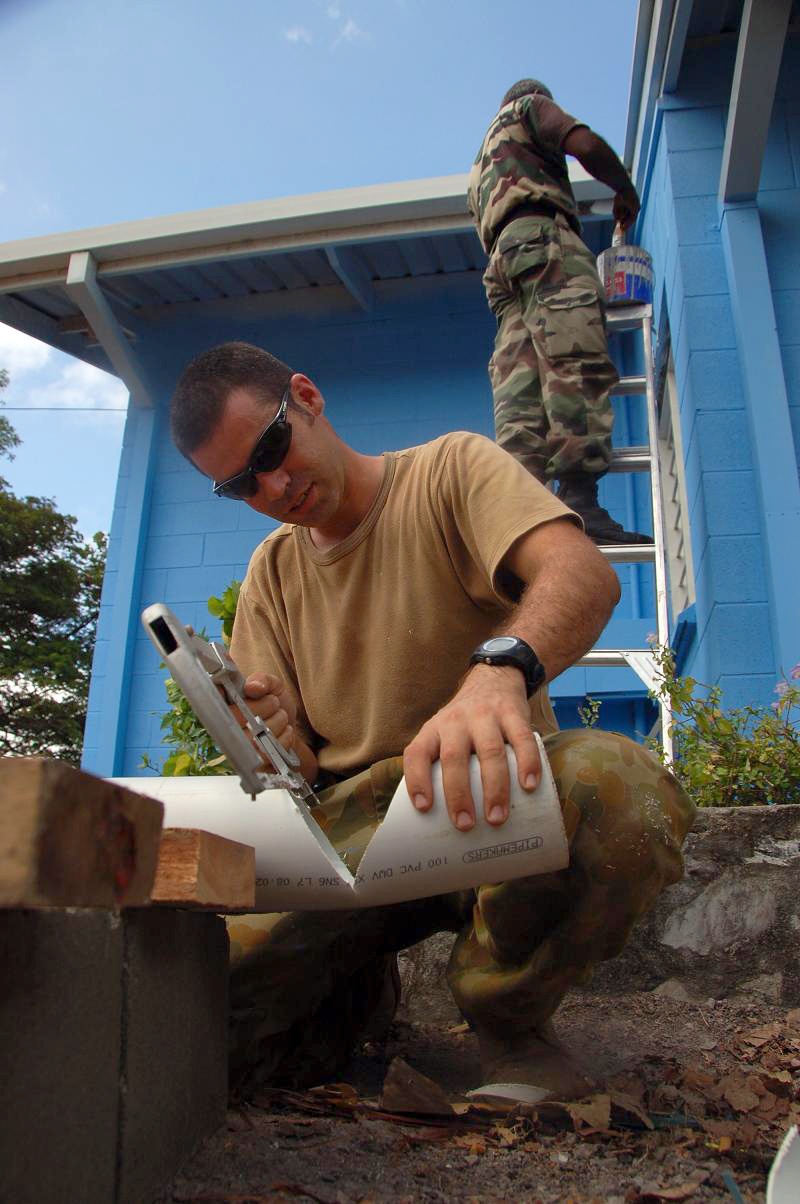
{"type": "Point", "coordinates": [407, 1090]}
{"type": "Point", "coordinates": [627, 1105]}
{"type": "Point", "coordinates": [762, 1034]}
{"type": "Point", "coordinates": [740, 1097]}
{"type": "Point", "coordinates": [684, 1192]}
{"type": "Point", "coordinates": [595, 1112]}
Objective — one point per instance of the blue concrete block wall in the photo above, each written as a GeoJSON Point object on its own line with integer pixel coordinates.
{"type": "Point", "coordinates": [680, 225]}
{"type": "Point", "coordinates": [410, 370]}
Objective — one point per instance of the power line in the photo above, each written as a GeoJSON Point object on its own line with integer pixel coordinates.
{"type": "Point", "coordinates": [66, 409]}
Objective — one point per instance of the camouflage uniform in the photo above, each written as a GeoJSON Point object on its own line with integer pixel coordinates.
{"type": "Point", "coordinates": [304, 986]}
{"type": "Point", "coordinates": [550, 371]}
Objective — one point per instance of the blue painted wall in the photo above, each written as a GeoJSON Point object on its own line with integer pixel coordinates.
{"type": "Point", "coordinates": [411, 369]}
{"type": "Point", "coordinates": [736, 640]}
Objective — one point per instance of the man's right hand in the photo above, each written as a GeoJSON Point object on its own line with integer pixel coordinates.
{"type": "Point", "coordinates": [626, 207]}
{"type": "Point", "coordinates": [269, 698]}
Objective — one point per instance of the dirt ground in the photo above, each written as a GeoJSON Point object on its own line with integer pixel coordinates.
{"type": "Point", "coordinates": [692, 1101]}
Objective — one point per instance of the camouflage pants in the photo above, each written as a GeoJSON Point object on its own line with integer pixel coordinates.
{"type": "Point", "coordinates": [304, 986]}
{"type": "Point", "coordinates": [550, 371]}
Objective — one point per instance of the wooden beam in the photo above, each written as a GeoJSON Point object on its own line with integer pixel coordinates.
{"type": "Point", "coordinates": [81, 284]}
{"type": "Point", "coordinates": [762, 35]}
{"type": "Point", "coordinates": [68, 839]}
{"type": "Point", "coordinates": [200, 870]}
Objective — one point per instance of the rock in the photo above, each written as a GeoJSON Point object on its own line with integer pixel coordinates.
{"type": "Point", "coordinates": [765, 986]}
{"type": "Point", "coordinates": [672, 989]}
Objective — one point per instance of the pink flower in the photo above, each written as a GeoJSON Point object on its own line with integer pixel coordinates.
{"type": "Point", "coordinates": [795, 673]}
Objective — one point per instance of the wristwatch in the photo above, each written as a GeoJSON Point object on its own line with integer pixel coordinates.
{"type": "Point", "coordinates": [509, 650]}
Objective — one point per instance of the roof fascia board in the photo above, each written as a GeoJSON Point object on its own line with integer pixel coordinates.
{"type": "Point", "coordinates": [641, 43]}
{"type": "Point", "coordinates": [347, 216]}
{"type": "Point", "coordinates": [82, 286]}
{"type": "Point", "coordinates": [660, 29]}
{"type": "Point", "coordinates": [762, 35]}
{"type": "Point", "coordinates": [677, 45]}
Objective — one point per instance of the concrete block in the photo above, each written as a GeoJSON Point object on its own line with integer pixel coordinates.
{"type": "Point", "coordinates": [695, 172]}
{"type": "Point", "coordinates": [790, 357]}
{"type": "Point", "coordinates": [723, 440]}
{"type": "Point", "coordinates": [697, 219]}
{"type": "Point", "coordinates": [60, 1041]}
{"type": "Point", "coordinates": [113, 1050]}
{"type": "Point", "coordinates": [716, 380]}
{"type": "Point", "coordinates": [776, 168]}
{"type": "Point", "coordinates": [709, 323]}
{"type": "Point", "coordinates": [787, 316]}
{"type": "Point", "coordinates": [187, 585]}
{"type": "Point", "coordinates": [154, 583]}
{"type": "Point", "coordinates": [183, 518]}
{"type": "Point", "coordinates": [740, 639]}
{"type": "Point", "coordinates": [778, 221]}
{"type": "Point", "coordinates": [232, 547]}
{"type": "Point", "coordinates": [695, 129]}
{"type": "Point", "coordinates": [736, 565]}
{"type": "Point", "coordinates": [186, 486]}
{"type": "Point", "coordinates": [175, 1076]}
{"type": "Point", "coordinates": [703, 270]}
{"type": "Point", "coordinates": [109, 590]}
{"type": "Point", "coordinates": [731, 507]}
{"type": "Point", "coordinates": [750, 689]}
{"type": "Point", "coordinates": [174, 551]}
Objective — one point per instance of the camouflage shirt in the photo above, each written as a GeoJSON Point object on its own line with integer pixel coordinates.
{"type": "Point", "coordinates": [521, 161]}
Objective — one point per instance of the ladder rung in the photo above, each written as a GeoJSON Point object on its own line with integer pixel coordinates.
{"type": "Point", "coordinates": [626, 317]}
{"type": "Point", "coordinates": [610, 658]}
{"type": "Point", "coordinates": [630, 459]}
{"type": "Point", "coordinates": [629, 553]}
{"type": "Point", "coordinates": [629, 384]}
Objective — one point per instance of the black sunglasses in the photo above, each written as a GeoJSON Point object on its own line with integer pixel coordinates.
{"type": "Point", "coordinates": [268, 454]}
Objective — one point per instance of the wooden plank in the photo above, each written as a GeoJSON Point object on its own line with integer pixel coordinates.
{"type": "Point", "coordinates": [70, 839]}
{"type": "Point", "coordinates": [199, 869]}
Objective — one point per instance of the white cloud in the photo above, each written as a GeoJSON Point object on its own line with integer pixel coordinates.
{"type": "Point", "coordinates": [334, 12]}
{"type": "Point", "coordinates": [351, 32]}
{"type": "Point", "coordinates": [297, 33]}
{"type": "Point", "coordinates": [19, 353]}
{"type": "Point", "coordinates": [78, 385]}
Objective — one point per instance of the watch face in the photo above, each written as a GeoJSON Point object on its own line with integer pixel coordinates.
{"type": "Point", "coordinates": [500, 643]}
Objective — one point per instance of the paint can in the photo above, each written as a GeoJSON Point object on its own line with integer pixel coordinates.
{"type": "Point", "coordinates": [626, 273]}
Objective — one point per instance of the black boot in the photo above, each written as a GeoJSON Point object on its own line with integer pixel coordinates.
{"type": "Point", "coordinates": [579, 492]}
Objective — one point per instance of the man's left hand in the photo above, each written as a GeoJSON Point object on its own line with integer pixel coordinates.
{"type": "Point", "coordinates": [488, 711]}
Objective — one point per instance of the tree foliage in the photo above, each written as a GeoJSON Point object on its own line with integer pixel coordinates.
{"type": "Point", "coordinates": [50, 581]}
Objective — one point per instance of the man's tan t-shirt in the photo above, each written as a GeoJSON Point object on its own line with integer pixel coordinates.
{"type": "Point", "coordinates": [373, 635]}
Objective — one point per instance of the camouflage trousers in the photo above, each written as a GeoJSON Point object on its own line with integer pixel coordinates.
{"type": "Point", "coordinates": [305, 987]}
{"type": "Point", "coordinates": [550, 371]}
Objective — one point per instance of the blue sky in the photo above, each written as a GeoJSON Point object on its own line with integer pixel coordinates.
{"type": "Point", "coordinates": [123, 109]}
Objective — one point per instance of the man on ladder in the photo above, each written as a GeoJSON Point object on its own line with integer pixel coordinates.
{"type": "Point", "coordinates": [551, 373]}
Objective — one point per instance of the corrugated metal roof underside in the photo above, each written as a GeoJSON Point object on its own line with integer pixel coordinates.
{"type": "Point", "coordinates": [141, 295]}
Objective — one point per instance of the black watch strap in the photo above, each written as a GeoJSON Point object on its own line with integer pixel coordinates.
{"type": "Point", "coordinates": [511, 650]}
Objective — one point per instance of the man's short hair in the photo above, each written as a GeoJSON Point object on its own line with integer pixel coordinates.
{"type": "Point", "coordinates": [208, 381]}
{"type": "Point", "coordinates": [526, 87]}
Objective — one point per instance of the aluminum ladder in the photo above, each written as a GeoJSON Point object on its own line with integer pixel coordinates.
{"type": "Point", "coordinates": [623, 319]}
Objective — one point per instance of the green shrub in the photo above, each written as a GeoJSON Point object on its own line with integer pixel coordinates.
{"type": "Point", "coordinates": [738, 757]}
{"type": "Point", "coordinates": [195, 753]}
{"type": "Point", "coordinates": [725, 758]}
